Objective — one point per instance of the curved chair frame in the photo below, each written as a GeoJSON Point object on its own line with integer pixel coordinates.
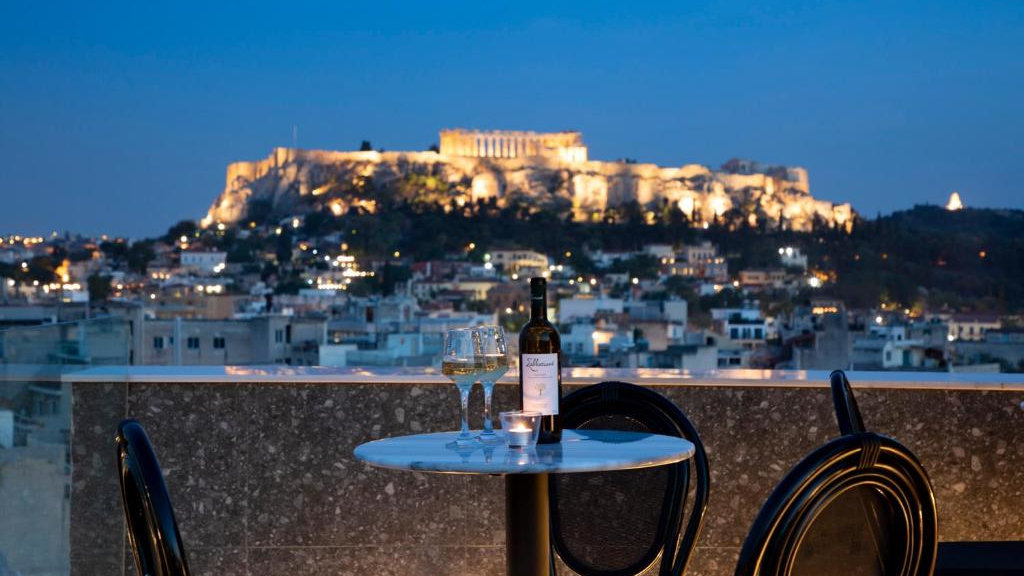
{"type": "Point", "coordinates": [152, 529]}
{"type": "Point", "coordinates": [847, 412]}
{"type": "Point", "coordinates": [976, 558]}
{"type": "Point", "coordinates": [856, 459]}
{"type": "Point", "coordinates": [663, 417]}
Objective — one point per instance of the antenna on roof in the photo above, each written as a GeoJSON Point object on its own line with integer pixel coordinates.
{"type": "Point", "coordinates": [295, 136]}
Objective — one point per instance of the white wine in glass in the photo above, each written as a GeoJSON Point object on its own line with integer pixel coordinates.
{"type": "Point", "coordinates": [493, 359]}
{"type": "Point", "coordinates": [460, 363]}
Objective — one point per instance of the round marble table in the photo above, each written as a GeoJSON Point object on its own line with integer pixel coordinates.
{"type": "Point", "coordinates": [526, 474]}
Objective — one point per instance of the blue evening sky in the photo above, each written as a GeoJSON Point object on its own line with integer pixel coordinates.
{"type": "Point", "coordinates": [121, 117]}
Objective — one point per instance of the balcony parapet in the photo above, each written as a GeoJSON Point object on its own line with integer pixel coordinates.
{"type": "Point", "coordinates": [643, 376]}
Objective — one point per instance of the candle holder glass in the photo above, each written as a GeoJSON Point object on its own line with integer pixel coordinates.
{"type": "Point", "coordinates": [520, 428]}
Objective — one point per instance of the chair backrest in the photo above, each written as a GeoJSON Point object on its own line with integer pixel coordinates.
{"type": "Point", "coordinates": [622, 523]}
{"type": "Point", "coordinates": [152, 530]}
{"type": "Point", "coordinates": [847, 412]}
{"type": "Point", "coordinates": [860, 505]}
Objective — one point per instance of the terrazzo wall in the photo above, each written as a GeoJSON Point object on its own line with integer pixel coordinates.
{"type": "Point", "coordinates": [264, 483]}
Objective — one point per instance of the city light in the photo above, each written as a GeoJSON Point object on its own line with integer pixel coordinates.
{"type": "Point", "coordinates": [636, 280]}
{"type": "Point", "coordinates": [814, 282]}
{"type": "Point", "coordinates": [515, 276]}
{"type": "Point", "coordinates": [879, 319]}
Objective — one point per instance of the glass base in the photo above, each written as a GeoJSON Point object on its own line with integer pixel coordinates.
{"type": "Point", "coordinates": [490, 438]}
{"type": "Point", "coordinates": [463, 442]}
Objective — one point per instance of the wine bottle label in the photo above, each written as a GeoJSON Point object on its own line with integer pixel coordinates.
{"type": "Point", "coordinates": [540, 383]}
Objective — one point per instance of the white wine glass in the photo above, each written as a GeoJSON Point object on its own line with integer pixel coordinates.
{"type": "Point", "coordinates": [493, 360]}
{"type": "Point", "coordinates": [460, 364]}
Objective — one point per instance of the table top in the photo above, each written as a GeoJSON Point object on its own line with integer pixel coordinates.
{"type": "Point", "coordinates": [579, 451]}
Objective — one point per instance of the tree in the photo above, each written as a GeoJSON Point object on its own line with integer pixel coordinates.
{"type": "Point", "coordinates": [182, 228]}
{"type": "Point", "coordinates": [365, 146]}
{"type": "Point", "coordinates": [99, 287]}
{"type": "Point", "coordinates": [114, 250]}
{"type": "Point", "coordinates": [41, 268]}
{"type": "Point", "coordinates": [283, 250]}
{"type": "Point", "coordinates": [139, 256]}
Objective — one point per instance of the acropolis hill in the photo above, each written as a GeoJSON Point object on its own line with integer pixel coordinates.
{"type": "Point", "coordinates": [546, 170]}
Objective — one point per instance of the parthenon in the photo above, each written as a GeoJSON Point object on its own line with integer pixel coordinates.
{"type": "Point", "coordinates": [565, 146]}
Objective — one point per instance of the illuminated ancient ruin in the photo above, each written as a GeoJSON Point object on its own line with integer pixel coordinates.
{"type": "Point", "coordinates": [565, 146]}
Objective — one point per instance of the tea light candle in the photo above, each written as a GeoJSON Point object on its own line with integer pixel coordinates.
{"type": "Point", "coordinates": [520, 428]}
{"type": "Point", "coordinates": [519, 435]}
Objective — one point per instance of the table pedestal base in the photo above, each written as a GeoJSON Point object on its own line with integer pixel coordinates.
{"type": "Point", "coordinates": [527, 520]}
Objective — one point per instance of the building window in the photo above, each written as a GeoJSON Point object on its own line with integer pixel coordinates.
{"type": "Point", "coordinates": [734, 333]}
{"type": "Point", "coordinates": [218, 342]}
{"type": "Point", "coordinates": [158, 342]}
{"type": "Point", "coordinates": [192, 342]}
{"type": "Point", "coordinates": [278, 336]}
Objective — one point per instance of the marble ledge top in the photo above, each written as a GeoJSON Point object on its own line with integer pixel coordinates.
{"type": "Point", "coordinates": [579, 451]}
{"type": "Point", "coordinates": [643, 376]}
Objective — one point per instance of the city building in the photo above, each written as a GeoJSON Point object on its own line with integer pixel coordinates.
{"type": "Point", "coordinates": [756, 280]}
{"type": "Point", "coordinates": [972, 326]}
{"type": "Point", "coordinates": [791, 257]}
{"type": "Point", "coordinates": [519, 261]}
{"type": "Point", "coordinates": [701, 261]}
{"type": "Point", "coordinates": [268, 339]}
{"type": "Point", "coordinates": [200, 262]}
{"type": "Point", "coordinates": [570, 309]}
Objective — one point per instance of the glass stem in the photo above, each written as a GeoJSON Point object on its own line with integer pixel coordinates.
{"type": "Point", "coordinates": [464, 398]}
{"type": "Point", "coordinates": [488, 392]}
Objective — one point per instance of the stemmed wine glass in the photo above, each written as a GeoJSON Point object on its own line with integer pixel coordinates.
{"type": "Point", "coordinates": [493, 359]}
{"type": "Point", "coordinates": [460, 363]}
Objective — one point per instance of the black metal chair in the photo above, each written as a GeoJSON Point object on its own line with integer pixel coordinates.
{"type": "Point", "coordinates": [860, 504]}
{"type": "Point", "coordinates": [953, 558]}
{"type": "Point", "coordinates": [152, 530]}
{"type": "Point", "coordinates": [628, 522]}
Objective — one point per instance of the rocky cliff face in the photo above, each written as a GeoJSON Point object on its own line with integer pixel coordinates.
{"type": "Point", "coordinates": [283, 182]}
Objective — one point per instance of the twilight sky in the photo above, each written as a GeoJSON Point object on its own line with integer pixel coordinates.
{"type": "Point", "coordinates": [121, 118]}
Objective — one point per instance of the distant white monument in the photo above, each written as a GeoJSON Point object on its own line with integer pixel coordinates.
{"type": "Point", "coordinates": [954, 202]}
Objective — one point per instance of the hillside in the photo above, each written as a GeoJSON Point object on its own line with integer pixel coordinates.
{"type": "Point", "coordinates": [294, 182]}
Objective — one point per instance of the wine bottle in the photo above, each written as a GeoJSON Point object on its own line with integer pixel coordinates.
{"type": "Point", "coordinates": [540, 365]}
